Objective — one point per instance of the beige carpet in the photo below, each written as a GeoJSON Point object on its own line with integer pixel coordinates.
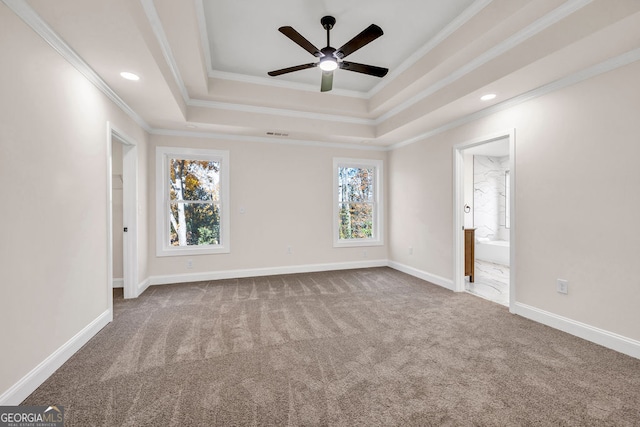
{"type": "Point", "coordinates": [354, 348]}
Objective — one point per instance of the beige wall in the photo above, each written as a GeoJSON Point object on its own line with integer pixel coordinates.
{"type": "Point", "coordinates": [577, 200]}
{"type": "Point", "coordinates": [53, 148]}
{"type": "Point", "coordinates": [286, 192]}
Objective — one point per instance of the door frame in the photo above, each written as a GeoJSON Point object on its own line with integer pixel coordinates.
{"type": "Point", "coordinates": [458, 210]}
{"type": "Point", "coordinates": [129, 217]}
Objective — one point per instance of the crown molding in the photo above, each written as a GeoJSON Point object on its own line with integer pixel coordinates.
{"type": "Point", "coordinates": [245, 108]}
{"type": "Point", "coordinates": [458, 22]}
{"type": "Point", "coordinates": [37, 24]}
{"type": "Point", "coordinates": [447, 31]}
{"type": "Point", "coordinates": [266, 81]}
{"type": "Point", "coordinates": [531, 30]}
{"type": "Point", "coordinates": [161, 36]}
{"type": "Point", "coordinates": [244, 78]}
{"type": "Point", "coordinates": [521, 36]}
{"type": "Point", "coordinates": [580, 76]}
{"type": "Point", "coordinates": [577, 77]}
{"type": "Point", "coordinates": [202, 29]}
{"type": "Point", "coordinates": [267, 140]}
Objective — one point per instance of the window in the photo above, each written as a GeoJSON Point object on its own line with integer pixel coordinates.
{"type": "Point", "coordinates": [357, 196]}
{"type": "Point", "coordinates": [192, 201]}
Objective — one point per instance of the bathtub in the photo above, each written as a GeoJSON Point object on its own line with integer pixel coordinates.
{"type": "Point", "coordinates": [493, 251]}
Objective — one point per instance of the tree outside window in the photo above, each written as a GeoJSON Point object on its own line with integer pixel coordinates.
{"type": "Point", "coordinates": [194, 208]}
{"type": "Point", "coordinates": [357, 201]}
{"type": "Point", "coordinates": [192, 201]}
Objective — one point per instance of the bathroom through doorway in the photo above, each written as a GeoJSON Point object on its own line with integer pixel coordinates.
{"type": "Point", "coordinates": [484, 220]}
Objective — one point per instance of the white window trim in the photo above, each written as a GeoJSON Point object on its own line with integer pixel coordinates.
{"type": "Point", "coordinates": [378, 211]}
{"type": "Point", "coordinates": [163, 154]}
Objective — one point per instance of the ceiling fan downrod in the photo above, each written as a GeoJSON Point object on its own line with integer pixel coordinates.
{"type": "Point", "coordinates": [327, 23]}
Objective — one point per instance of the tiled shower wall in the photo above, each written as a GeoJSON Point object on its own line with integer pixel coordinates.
{"type": "Point", "coordinates": [489, 196]}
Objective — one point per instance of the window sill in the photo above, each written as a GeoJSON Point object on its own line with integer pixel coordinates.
{"type": "Point", "coordinates": [185, 251]}
{"type": "Point", "coordinates": [354, 243]}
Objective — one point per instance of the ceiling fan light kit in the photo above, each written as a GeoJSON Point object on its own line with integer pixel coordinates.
{"type": "Point", "coordinates": [328, 64]}
{"type": "Point", "coordinates": [331, 58]}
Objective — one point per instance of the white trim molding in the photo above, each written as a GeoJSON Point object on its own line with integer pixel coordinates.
{"type": "Point", "coordinates": [520, 37]}
{"type": "Point", "coordinates": [420, 274]}
{"type": "Point", "coordinates": [267, 271]}
{"type": "Point", "coordinates": [266, 140]}
{"type": "Point", "coordinates": [142, 286]}
{"type": "Point", "coordinates": [611, 64]}
{"type": "Point", "coordinates": [38, 375]}
{"type": "Point", "coordinates": [270, 81]}
{"type": "Point", "coordinates": [118, 282]}
{"type": "Point", "coordinates": [22, 9]}
{"type": "Point", "coordinates": [245, 108]}
{"type": "Point", "coordinates": [446, 32]}
{"type": "Point", "coordinates": [161, 37]}
{"type": "Point", "coordinates": [129, 211]}
{"type": "Point", "coordinates": [458, 203]}
{"type": "Point", "coordinates": [37, 24]}
{"type": "Point", "coordinates": [611, 340]}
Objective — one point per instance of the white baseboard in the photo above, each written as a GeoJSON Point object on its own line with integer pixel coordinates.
{"type": "Point", "coordinates": [599, 336]}
{"type": "Point", "coordinates": [38, 375]}
{"type": "Point", "coordinates": [118, 283]}
{"type": "Point", "coordinates": [268, 271]}
{"type": "Point", "coordinates": [433, 278]}
{"type": "Point", "coordinates": [142, 286]}
{"type": "Point", "coordinates": [30, 382]}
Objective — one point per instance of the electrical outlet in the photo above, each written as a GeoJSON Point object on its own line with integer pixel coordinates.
{"type": "Point", "coordinates": [410, 250]}
{"type": "Point", "coordinates": [364, 254]}
{"type": "Point", "coordinates": [289, 250]}
{"type": "Point", "coordinates": [189, 264]}
{"type": "Point", "coordinates": [563, 286]}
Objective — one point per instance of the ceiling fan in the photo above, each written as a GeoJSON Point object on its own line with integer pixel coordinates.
{"type": "Point", "coordinates": [331, 58]}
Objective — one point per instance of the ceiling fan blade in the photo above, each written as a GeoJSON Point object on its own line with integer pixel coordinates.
{"type": "Point", "coordinates": [372, 70]}
{"type": "Point", "coordinates": [327, 81]}
{"type": "Point", "coordinates": [300, 40]}
{"type": "Point", "coordinates": [292, 69]}
{"type": "Point", "coordinates": [369, 34]}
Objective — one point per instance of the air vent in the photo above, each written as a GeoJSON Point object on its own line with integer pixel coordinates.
{"type": "Point", "coordinates": [277, 134]}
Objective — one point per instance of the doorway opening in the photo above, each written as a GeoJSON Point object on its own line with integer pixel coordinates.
{"type": "Point", "coordinates": [484, 226]}
{"type": "Point", "coordinates": [122, 251]}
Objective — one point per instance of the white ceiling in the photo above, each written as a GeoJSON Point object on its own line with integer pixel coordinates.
{"type": "Point", "coordinates": [244, 39]}
{"type": "Point", "coordinates": [203, 63]}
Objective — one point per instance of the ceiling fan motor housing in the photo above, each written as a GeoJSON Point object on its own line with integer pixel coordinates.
{"type": "Point", "coordinates": [328, 22]}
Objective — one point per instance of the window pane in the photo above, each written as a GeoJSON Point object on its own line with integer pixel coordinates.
{"type": "Point", "coordinates": [355, 184]}
{"type": "Point", "coordinates": [194, 224]}
{"type": "Point", "coordinates": [355, 220]}
{"type": "Point", "coordinates": [194, 180]}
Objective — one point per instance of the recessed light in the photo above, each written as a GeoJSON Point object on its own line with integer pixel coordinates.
{"type": "Point", "coordinates": [129, 76]}
{"type": "Point", "coordinates": [488, 97]}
